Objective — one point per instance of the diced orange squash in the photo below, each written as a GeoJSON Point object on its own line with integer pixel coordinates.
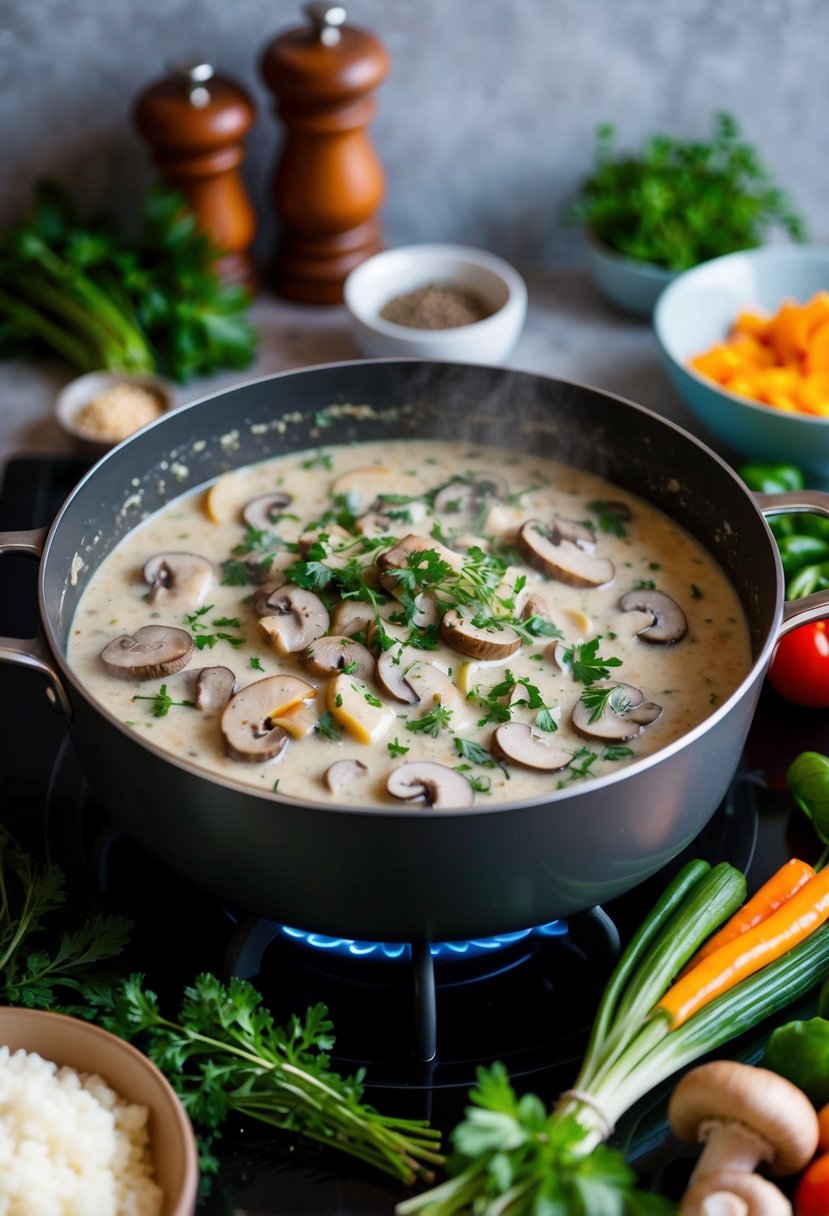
{"type": "Point", "coordinates": [754, 324]}
{"type": "Point", "coordinates": [817, 356]}
{"type": "Point", "coordinates": [780, 361]}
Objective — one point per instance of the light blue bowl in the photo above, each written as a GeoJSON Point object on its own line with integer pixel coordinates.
{"type": "Point", "coordinates": [630, 285]}
{"type": "Point", "coordinates": [698, 310]}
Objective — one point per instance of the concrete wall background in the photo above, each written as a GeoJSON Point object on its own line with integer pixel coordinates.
{"type": "Point", "coordinates": [485, 124]}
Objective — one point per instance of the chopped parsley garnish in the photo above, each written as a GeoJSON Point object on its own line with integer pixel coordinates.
{"type": "Point", "coordinates": [612, 516]}
{"type": "Point", "coordinates": [586, 664]}
{"type": "Point", "coordinates": [326, 727]}
{"type": "Point", "coordinates": [397, 749]}
{"type": "Point", "coordinates": [256, 663]}
{"type": "Point", "coordinates": [468, 749]}
{"type": "Point", "coordinates": [599, 699]}
{"type": "Point", "coordinates": [544, 720]}
{"type": "Point", "coordinates": [431, 723]}
{"type": "Point", "coordinates": [617, 752]}
{"type": "Point", "coordinates": [696, 594]}
{"type": "Point", "coordinates": [322, 460]}
{"type": "Point", "coordinates": [644, 584]}
{"type": "Point", "coordinates": [161, 702]}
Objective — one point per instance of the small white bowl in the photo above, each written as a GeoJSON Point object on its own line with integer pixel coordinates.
{"type": "Point", "coordinates": [89, 1049]}
{"type": "Point", "coordinates": [372, 284]}
{"type": "Point", "coordinates": [83, 389]}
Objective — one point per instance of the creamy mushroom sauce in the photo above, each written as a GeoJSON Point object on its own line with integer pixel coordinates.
{"type": "Point", "coordinates": [563, 663]}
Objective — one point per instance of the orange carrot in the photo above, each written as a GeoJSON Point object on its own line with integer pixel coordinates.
{"type": "Point", "coordinates": [773, 937]}
{"type": "Point", "coordinates": [772, 895]}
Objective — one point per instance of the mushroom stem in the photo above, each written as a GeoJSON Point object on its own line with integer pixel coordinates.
{"type": "Point", "coordinates": [730, 1145]}
{"type": "Point", "coordinates": [723, 1203]}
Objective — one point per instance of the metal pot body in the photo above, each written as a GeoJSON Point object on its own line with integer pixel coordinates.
{"type": "Point", "coordinates": [413, 875]}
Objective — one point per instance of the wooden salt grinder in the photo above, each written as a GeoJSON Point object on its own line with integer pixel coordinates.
{"type": "Point", "coordinates": [195, 121]}
{"type": "Point", "coordinates": [329, 182]}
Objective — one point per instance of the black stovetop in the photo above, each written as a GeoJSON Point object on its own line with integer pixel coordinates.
{"type": "Point", "coordinates": [529, 1002]}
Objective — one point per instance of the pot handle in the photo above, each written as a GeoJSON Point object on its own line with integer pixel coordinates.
{"type": "Point", "coordinates": [814, 502]}
{"type": "Point", "coordinates": [33, 652]}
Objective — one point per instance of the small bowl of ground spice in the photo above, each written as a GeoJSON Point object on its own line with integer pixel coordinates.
{"type": "Point", "coordinates": [436, 302]}
{"type": "Point", "coordinates": [100, 409]}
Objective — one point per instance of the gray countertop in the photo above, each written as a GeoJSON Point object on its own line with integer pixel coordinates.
{"type": "Point", "coordinates": [571, 333]}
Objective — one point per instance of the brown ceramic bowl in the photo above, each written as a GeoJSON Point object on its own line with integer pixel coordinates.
{"type": "Point", "coordinates": [89, 1049]}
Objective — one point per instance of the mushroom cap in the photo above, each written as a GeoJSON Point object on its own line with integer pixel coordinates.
{"type": "Point", "coordinates": [625, 714]}
{"type": "Point", "coordinates": [263, 511]}
{"type": "Point", "coordinates": [761, 1100]}
{"type": "Point", "coordinates": [426, 781]}
{"type": "Point", "coordinates": [299, 618]}
{"type": "Point", "coordinates": [734, 1193]}
{"type": "Point", "coordinates": [183, 578]}
{"type": "Point", "coordinates": [261, 602]}
{"type": "Point", "coordinates": [470, 495]}
{"type": "Point", "coordinates": [565, 560]}
{"type": "Point", "coordinates": [329, 655]}
{"type": "Point", "coordinates": [491, 642]}
{"type": "Point", "coordinates": [516, 742]}
{"type": "Point", "coordinates": [668, 621]}
{"type": "Point", "coordinates": [214, 688]}
{"type": "Point", "coordinates": [351, 616]}
{"type": "Point", "coordinates": [152, 651]}
{"type": "Point", "coordinates": [248, 723]}
{"type": "Point", "coordinates": [392, 665]}
{"type": "Point", "coordinates": [342, 772]}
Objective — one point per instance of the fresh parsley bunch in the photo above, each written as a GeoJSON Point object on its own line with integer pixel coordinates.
{"type": "Point", "coordinates": [40, 968]}
{"type": "Point", "coordinates": [225, 1053]}
{"type": "Point", "coordinates": [677, 202]}
{"type": "Point", "coordinates": [77, 285]}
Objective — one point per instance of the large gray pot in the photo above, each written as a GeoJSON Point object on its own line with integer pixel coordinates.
{"type": "Point", "coordinates": [403, 874]}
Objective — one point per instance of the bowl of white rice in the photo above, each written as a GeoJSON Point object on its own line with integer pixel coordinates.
{"type": "Point", "coordinates": [88, 1125]}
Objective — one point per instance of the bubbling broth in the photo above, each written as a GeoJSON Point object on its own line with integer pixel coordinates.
{"type": "Point", "coordinates": [409, 623]}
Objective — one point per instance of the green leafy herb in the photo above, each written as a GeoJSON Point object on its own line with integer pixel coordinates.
{"type": "Point", "coordinates": [225, 1054]}
{"type": "Point", "coordinates": [680, 202]}
{"type": "Point", "coordinates": [322, 460]}
{"type": "Point", "coordinates": [431, 723]}
{"type": "Point", "coordinates": [396, 748]}
{"type": "Point", "coordinates": [597, 700]}
{"type": "Point", "coordinates": [696, 594]}
{"type": "Point", "coordinates": [256, 663]}
{"type": "Point", "coordinates": [79, 286]}
{"type": "Point", "coordinates": [586, 664]}
{"type": "Point", "coordinates": [468, 749]}
{"type": "Point", "coordinates": [33, 971]}
{"type": "Point", "coordinates": [613, 516]}
{"type": "Point", "coordinates": [544, 720]}
{"type": "Point", "coordinates": [161, 702]}
{"type": "Point", "coordinates": [326, 726]}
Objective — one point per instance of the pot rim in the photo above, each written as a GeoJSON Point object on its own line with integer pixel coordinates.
{"type": "Point", "coordinates": [755, 673]}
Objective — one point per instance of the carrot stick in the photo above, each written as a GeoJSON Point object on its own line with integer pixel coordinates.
{"type": "Point", "coordinates": [777, 891]}
{"type": "Point", "coordinates": [773, 937]}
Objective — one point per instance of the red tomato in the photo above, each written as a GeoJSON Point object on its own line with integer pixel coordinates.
{"type": "Point", "coordinates": [800, 668]}
{"type": "Point", "coordinates": [812, 1195]}
{"type": "Point", "coordinates": [823, 1128]}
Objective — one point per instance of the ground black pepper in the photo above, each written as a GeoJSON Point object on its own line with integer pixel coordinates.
{"type": "Point", "coordinates": [435, 306]}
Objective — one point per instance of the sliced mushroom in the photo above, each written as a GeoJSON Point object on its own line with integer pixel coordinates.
{"type": "Point", "coordinates": [153, 651]}
{"type": "Point", "coordinates": [577, 533]}
{"type": "Point", "coordinates": [214, 688]}
{"type": "Point", "coordinates": [264, 511]}
{"type": "Point", "coordinates": [435, 784]}
{"type": "Point", "coordinates": [426, 611]}
{"type": "Point", "coordinates": [494, 641]}
{"type": "Point", "coordinates": [329, 655]}
{"type": "Point", "coordinates": [398, 558]}
{"type": "Point", "coordinates": [358, 709]}
{"type": "Point", "coordinates": [342, 773]}
{"type": "Point", "coordinates": [262, 598]}
{"type": "Point", "coordinates": [624, 715]}
{"type": "Point", "coordinates": [350, 617]}
{"type": "Point", "coordinates": [299, 719]}
{"type": "Point", "coordinates": [298, 619]}
{"type": "Point", "coordinates": [516, 742]}
{"type": "Point", "coordinates": [434, 687]}
{"type": "Point", "coordinates": [249, 723]}
{"type": "Point", "coordinates": [335, 538]}
{"type": "Point", "coordinates": [262, 569]}
{"type": "Point", "coordinates": [392, 667]}
{"type": "Point", "coordinates": [668, 623]}
{"type": "Point", "coordinates": [562, 559]}
{"type": "Point", "coordinates": [362, 487]}
{"type": "Point", "coordinates": [468, 497]}
{"type": "Point", "coordinates": [535, 605]}
{"type": "Point", "coordinates": [180, 579]}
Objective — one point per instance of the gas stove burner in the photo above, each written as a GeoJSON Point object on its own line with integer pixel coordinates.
{"type": "Point", "coordinates": [392, 951]}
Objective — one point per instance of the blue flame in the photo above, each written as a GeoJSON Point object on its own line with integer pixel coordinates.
{"type": "Point", "coordinates": [400, 950]}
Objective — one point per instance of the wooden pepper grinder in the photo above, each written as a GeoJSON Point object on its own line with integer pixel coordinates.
{"type": "Point", "coordinates": [195, 121]}
{"type": "Point", "coordinates": [329, 181]}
